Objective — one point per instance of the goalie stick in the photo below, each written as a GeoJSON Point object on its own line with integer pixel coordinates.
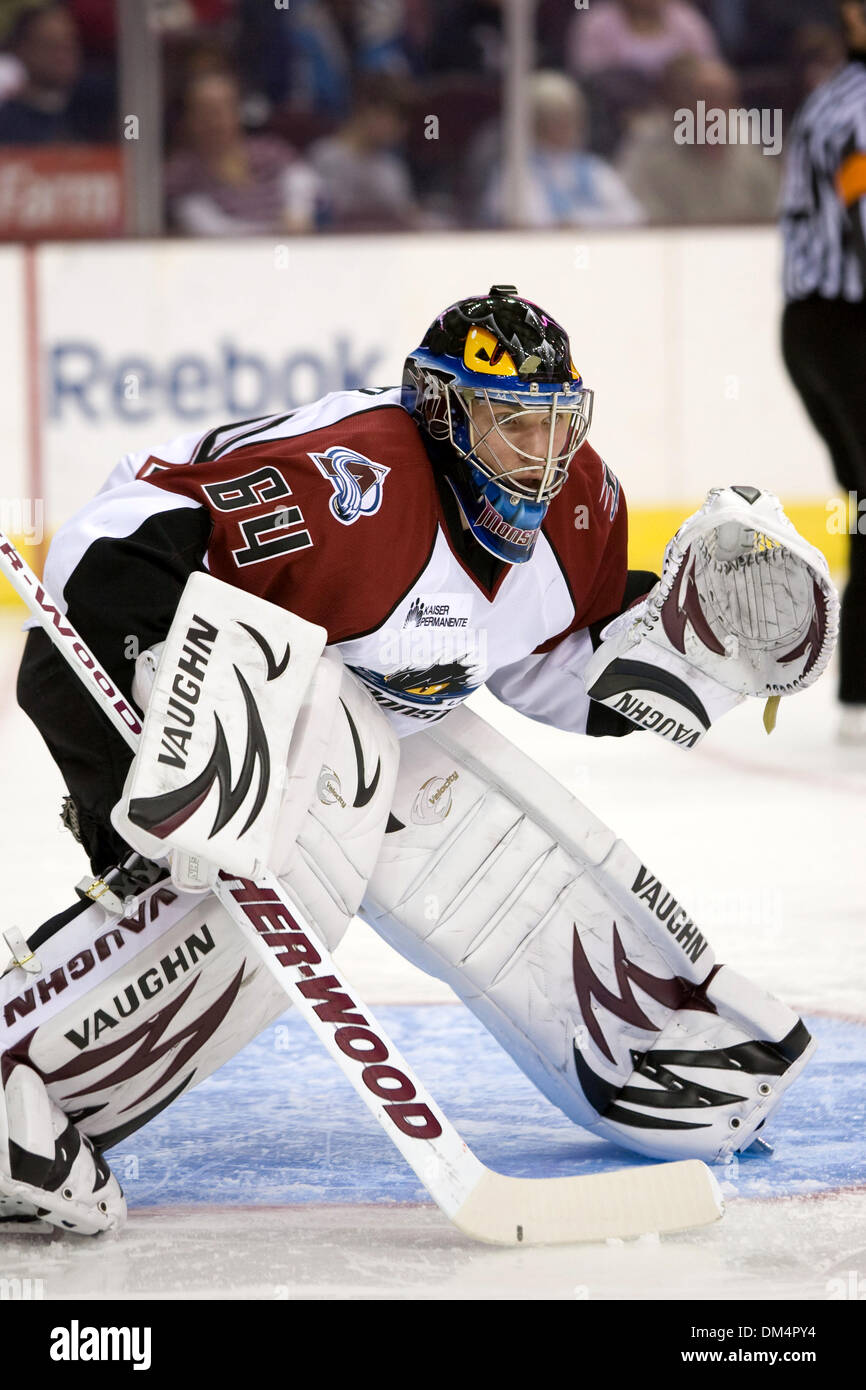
{"type": "Point", "coordinates": [485, 1205]}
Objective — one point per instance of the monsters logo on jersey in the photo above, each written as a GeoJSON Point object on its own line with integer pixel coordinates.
{"type": "Point", "coordinates": [424, 692]}
{"type": "Point", "coordinates": [356, 480]}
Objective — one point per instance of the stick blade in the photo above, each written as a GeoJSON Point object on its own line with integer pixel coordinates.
{"type": "Point", "coordinates": [664, 1198]}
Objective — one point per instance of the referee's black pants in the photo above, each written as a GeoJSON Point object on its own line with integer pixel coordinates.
{"type": "Point", "coordinates": [824, 346]}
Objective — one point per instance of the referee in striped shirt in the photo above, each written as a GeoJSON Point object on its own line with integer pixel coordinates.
{"type": "Point", "coordinates": [824, 325]}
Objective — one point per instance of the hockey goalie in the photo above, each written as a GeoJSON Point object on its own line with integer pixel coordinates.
{"type": "Point", "coordinates": [416, 543]}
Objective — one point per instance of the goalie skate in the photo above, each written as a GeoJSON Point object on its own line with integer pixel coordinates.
{"type": "Point", "coordinates": [50, 1174]}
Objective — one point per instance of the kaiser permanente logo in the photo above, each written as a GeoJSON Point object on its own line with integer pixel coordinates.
{"type": "Point", "coordinates": [713, 126]}
{"type": "Point", "coordinates": [77, 1343]}
{"type": "Point", "coordinates": [425, 613]}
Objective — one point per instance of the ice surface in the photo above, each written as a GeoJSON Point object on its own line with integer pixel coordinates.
{"type": "Point", "coordinates": [271, 1180]}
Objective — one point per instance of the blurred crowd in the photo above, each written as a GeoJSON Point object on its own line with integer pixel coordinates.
{"type": "Point", "coordinates": [384, 114]}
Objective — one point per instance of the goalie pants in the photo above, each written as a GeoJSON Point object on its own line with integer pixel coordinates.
{"type": "Point", "coordinates": [824, 346]}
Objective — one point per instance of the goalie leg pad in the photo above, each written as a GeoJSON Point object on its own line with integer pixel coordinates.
{"type": "Point", "coordinates": [586, 968]}
{"type": "Point", "coordinates": [326, 862]}
{"type": "Point", "coordinates": [128, 1013]}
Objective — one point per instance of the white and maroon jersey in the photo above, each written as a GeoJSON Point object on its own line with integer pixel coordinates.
{"type": "Point", "coordinates": [334, 511]}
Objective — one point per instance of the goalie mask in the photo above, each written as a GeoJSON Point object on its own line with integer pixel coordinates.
{"type": "Point", "coordinates": [495, 390]}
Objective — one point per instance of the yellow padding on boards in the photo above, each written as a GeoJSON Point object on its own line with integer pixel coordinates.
{"type": "Point", "coordinates": [650, 529]}
{"type": "Point", "coordinates": [34, 556]}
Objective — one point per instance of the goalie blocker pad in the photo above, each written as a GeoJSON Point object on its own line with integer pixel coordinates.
{"type": "Point", "coordinates": [207, 780]}
{"type": "Point", "coordinates": [581, 963]}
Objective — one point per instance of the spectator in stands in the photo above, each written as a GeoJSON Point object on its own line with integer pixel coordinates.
{"type": "Point", "coordinates": [817, 50]}
{"type": "Point", "coordinates": [760, 39]}
{"type": "Point", "coordinates": [301, 57]}
{"type": "Point", "coordinates": [54, 103]}
{"type": "Point", "coordinates": [181, 16]}
{"type": "Point", "coordinates": [363, 169]}
{"type": "Point", "coordinates": [381, 32]}
{"type": "Point", "coordinates": [222, 182]}
{"type": "Point", "coordinates": [690, 183]}
{"type": "Point", "coordinates": [566, 186]}
{"type": "Point", "coordinates": [12, 76]}
{"type": "Point", "coordinates": [641, 36]}
{"type": "Point", "coordinates": [10, 14]}
{"type": "Point", "coordinates": [758, 33]}
{"type": "Point", "coordinates": [296, 57]}
{"type": "Point", "coordinates": [467, 36]}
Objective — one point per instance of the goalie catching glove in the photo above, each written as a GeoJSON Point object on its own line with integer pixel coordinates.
{"type": "Point", "coordinates": [745, 606]}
